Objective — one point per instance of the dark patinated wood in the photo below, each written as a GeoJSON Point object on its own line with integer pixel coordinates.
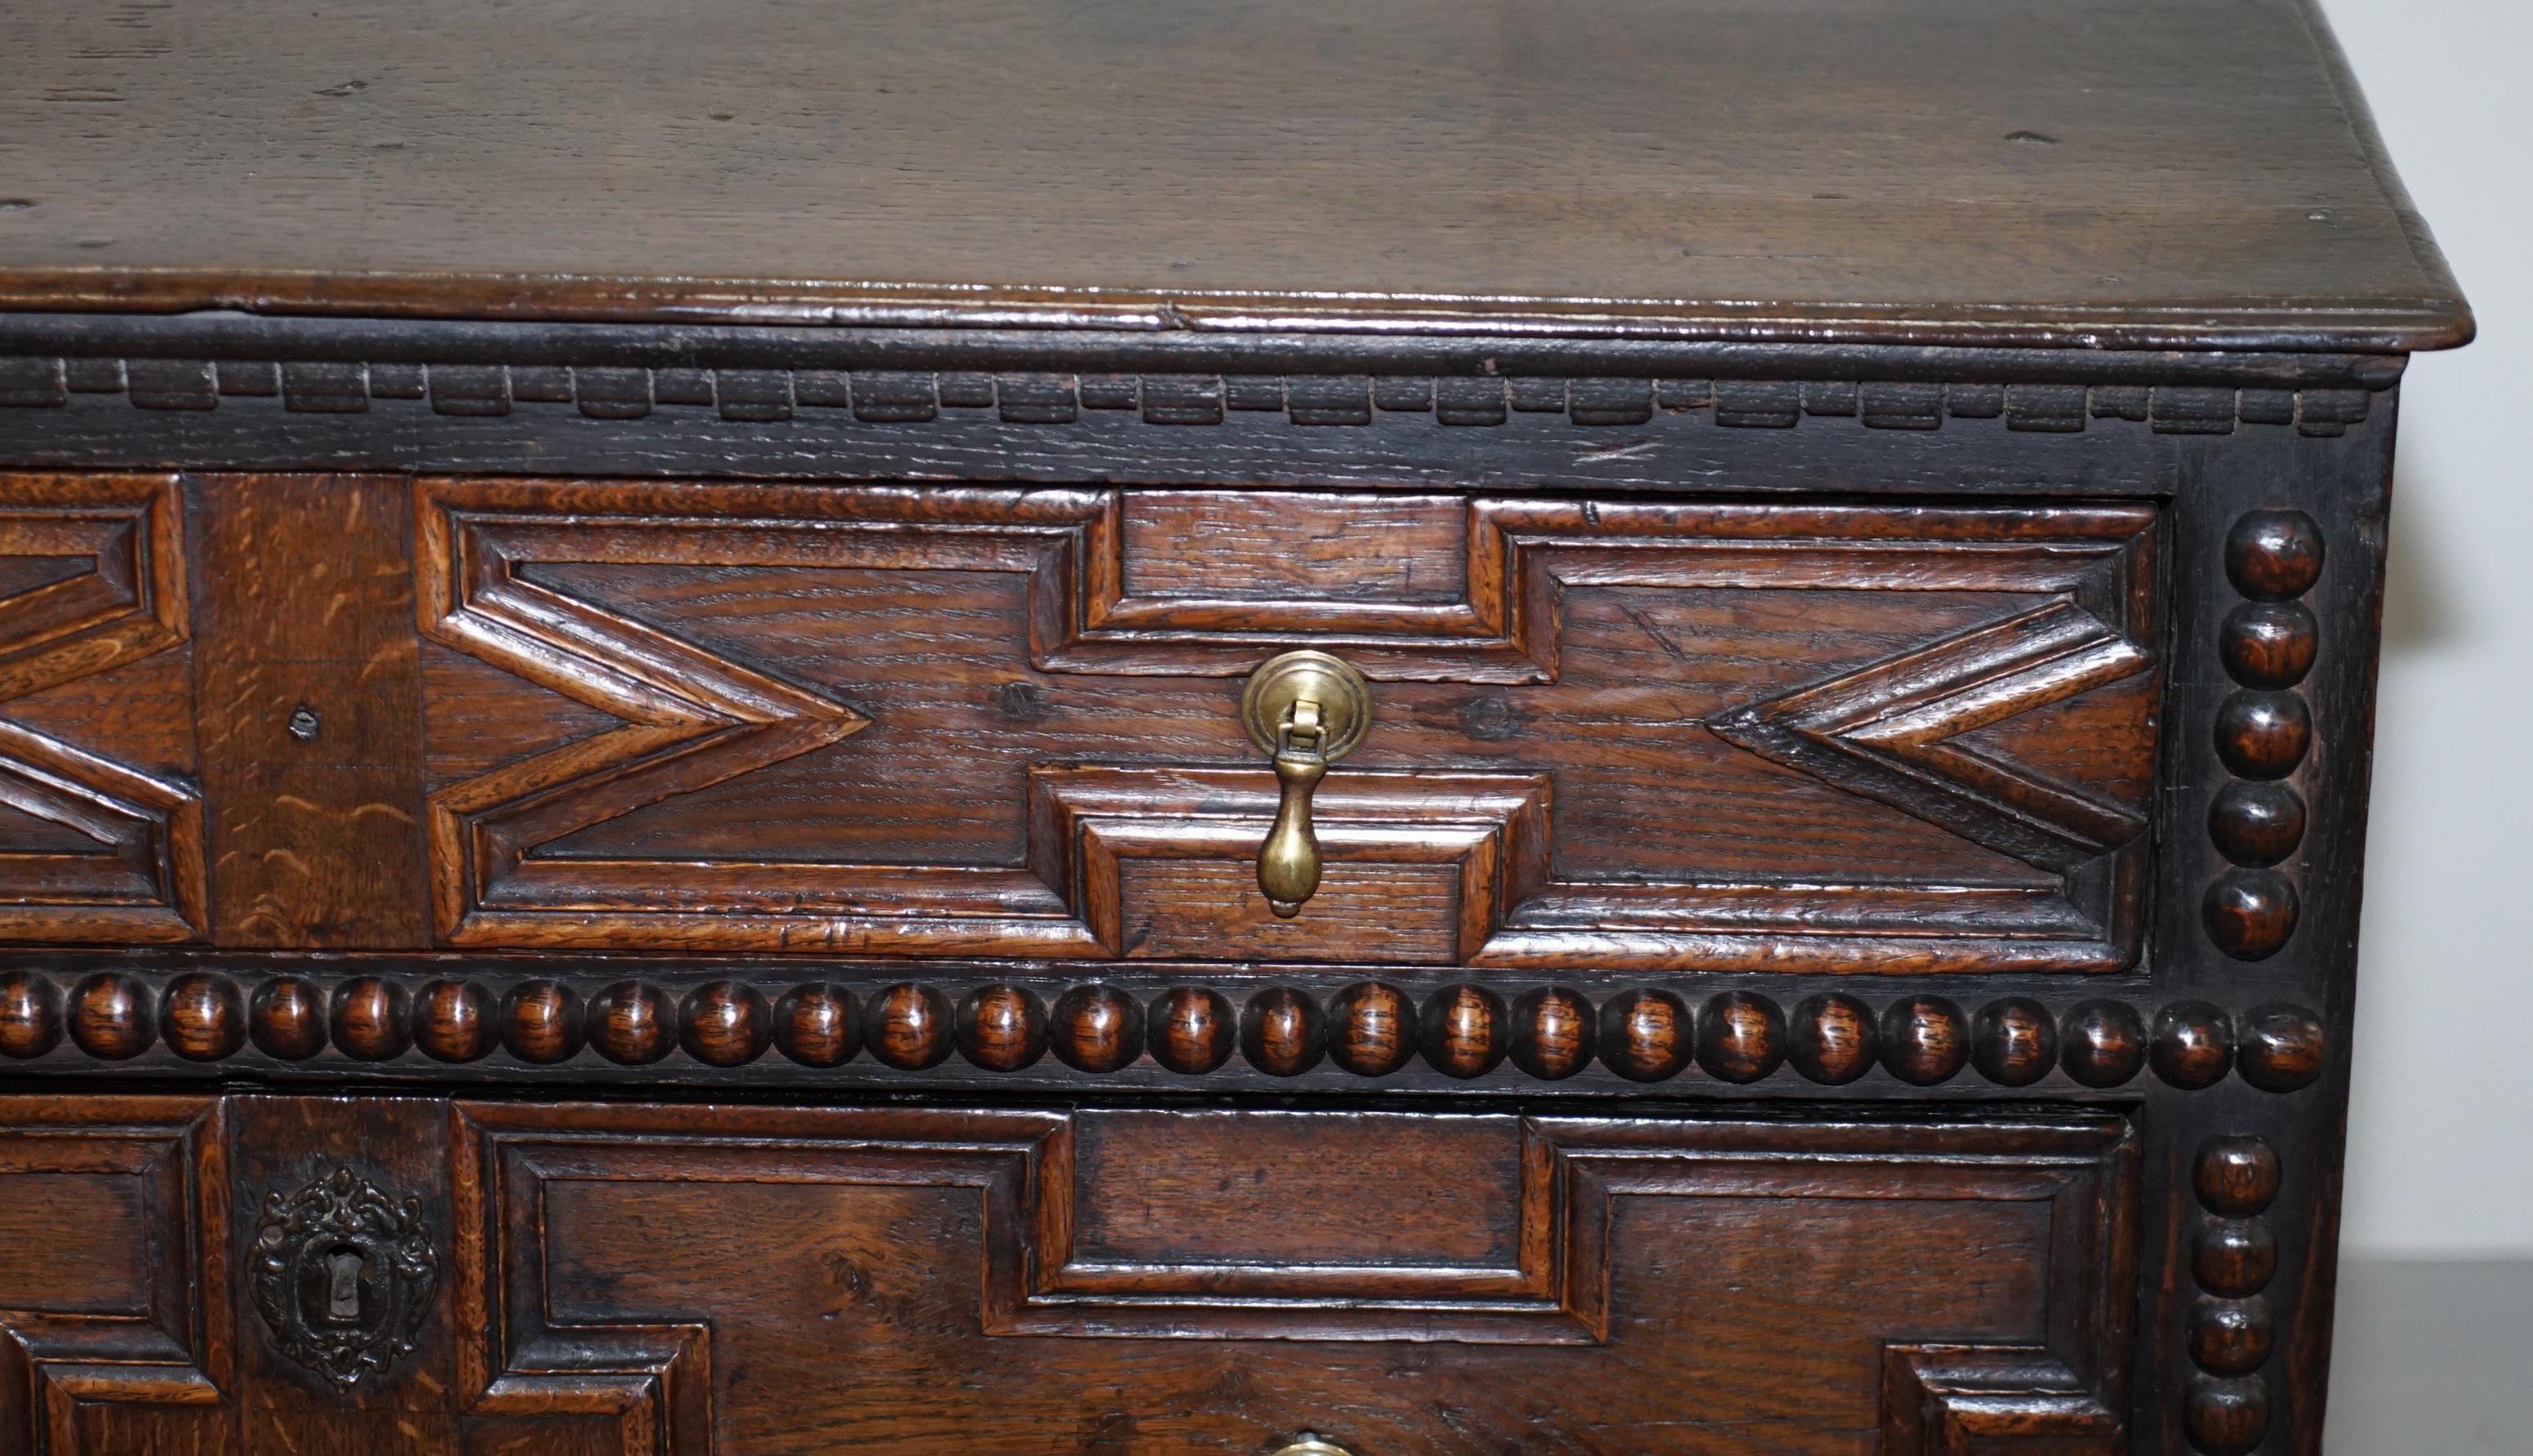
{"type": "Point", "coordinates": [1539, 1245]}
{"type": "Point", "coordinates": [624, 829]}
{"type": "Point", "coordinates": [875, 650]}
{"type": "Point", "coordinates": [307, 681]}
{"type": "Point", "coordinates": [108, 823]}
{"type": "Point", "coordinates": [1055, 1228]}
{"type": "Point", "coordinates": [2197, 174]}
{"type": "Point", "coordinates": [646, 1021]}
{"type": "Point", "coordinates": [2172, 1026]}
{"type": "Point", "coordinates": [116, 1295]}
{"type": "Point", "coordinates": [289, 1398]}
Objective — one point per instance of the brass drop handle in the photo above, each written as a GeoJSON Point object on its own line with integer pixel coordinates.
{"type": "Point", "coordinates": [1309, 1445]}
{"type": "Point", "coordinates": [1307, 710]}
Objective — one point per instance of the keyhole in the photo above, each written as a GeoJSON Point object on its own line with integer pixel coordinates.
{"type": "Point", "coordinates": [344, 1287]}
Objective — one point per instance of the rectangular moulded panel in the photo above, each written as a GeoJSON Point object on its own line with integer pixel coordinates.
{"type": "Point", "coordinates": [114, 1291]}
{"type": "Point", "coordinates": [1298, 1190]}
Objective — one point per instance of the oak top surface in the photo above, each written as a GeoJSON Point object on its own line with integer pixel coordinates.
{"type": "Point", "coordinates": [2118, 172]}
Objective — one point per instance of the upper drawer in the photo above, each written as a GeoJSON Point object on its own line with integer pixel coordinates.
{"type": "Point", "coordinates": [1616, 732]}
{"type": "Point", "coordinates": [1007, 723]}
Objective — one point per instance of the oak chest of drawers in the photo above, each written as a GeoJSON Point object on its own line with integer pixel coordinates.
{"type": "Point", "coordinates": [1377, 730]}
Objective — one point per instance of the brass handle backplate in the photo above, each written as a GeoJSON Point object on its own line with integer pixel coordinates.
{"type": "Point", "coordinates": [1309, 1445]}
{"type": "Point", "coordinates": [1306, 710]}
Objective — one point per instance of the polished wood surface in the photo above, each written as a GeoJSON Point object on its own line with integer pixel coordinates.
{"type": "Point", "coordinates": [964, 722]}
{"type": "Point", "coordinates": [105, 824]}
{"type": "Point", "coordinates": [627, 1278]}
{"type": "Point", "coordinates": [806, 1025]}
{"type": "Point", "coordinates": [308, 683]}
{"type": "Point", "coordinates": [625, 828]}
{"type": "Point", "coordinates": [980, 722]}
{"type": "Point", "coordinates": [1974, 659]}
{"type": "Point", "coordinates": [115, 1303]}
{"type": "Point", "coordinates": [1577, 1334]}
{"type": "Point", "coordinates": [1977, 171]}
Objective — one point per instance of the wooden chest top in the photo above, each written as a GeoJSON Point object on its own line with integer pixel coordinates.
{"type": "Point", "coordinates": [2196, 173]}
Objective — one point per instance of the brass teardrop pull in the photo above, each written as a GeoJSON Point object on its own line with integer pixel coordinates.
{"type": "Point", "coordinates": [1308, 1443]}
{"type": "Point", "coordinates": [1306, 710]}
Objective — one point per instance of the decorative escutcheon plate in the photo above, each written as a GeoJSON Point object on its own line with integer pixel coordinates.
{"type": "Point", "coordinates": [343, 1272]}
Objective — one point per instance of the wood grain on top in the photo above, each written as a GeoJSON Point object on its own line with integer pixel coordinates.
{"type": "Point", "coordinates": [2188, 172]}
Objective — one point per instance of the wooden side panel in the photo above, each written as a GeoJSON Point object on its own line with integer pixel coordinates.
{"type": "Point", "coordinates": [308, 679]}
{"type": "Point", "coordinates": [975, 722]}
{"type": "Point", "coordinates": [100, 823]}
{"type": "Point", "coordinates": [795, 1282]}
{"type": "Point", "coordinates": [2279, 589]}
{"type": "Point", "coordinates": [114, 1294]}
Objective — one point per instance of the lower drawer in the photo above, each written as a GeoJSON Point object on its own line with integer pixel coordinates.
{"type": "Point", "coordinates": [399, 1274]}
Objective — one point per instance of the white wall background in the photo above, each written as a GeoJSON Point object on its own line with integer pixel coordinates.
{"type": "Point", "coordinates": [2441, 1155]}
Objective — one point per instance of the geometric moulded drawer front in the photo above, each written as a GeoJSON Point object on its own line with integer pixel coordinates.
{"type": "Point", "coordinates": [100, 824]}
{"type": "Point", "coordinates": [1623, 733]}
{"type": "Point", "coordinates": [114, 1305]}
{"type": "Point", "coordinates": [647, 1277]}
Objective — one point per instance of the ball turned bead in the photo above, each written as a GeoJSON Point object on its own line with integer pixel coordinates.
{"type": "Point", "coordinates": [1002, 1028]}
{"type": "Point", "coordinates": [369, 1018]}
{"type": "Point", "coordinates": [1553, 1034]}
{"type": "Point", "coordinates": [455, 1022]}
{"type": "Point", "coordinates": [541, 1022]}
{"type": "Point", "coordinates": [2235, 1176]}
{"type": "Point", "coordinates": [2272, 555]}
{"type": "Point", "coordinates": [110, 1017]}
{"type": "Point", "coordinates": [818, 1025]}
{"type": "Point", "coordinates": [2235, 1257]}
{"type": "Point", "coordinates": [725, 1023]}
{"type": "Point", "coordinates": [2013, 1042]}
{"type": "Point", "coordinates": [30, 1014]}
{"type": "Point", "coordinates": [2226, 1417]}
{"type": "Point", "coordinates": [1282, 1031]}
{"type": "Point", "coordinates": [202, 1017]}
{"type": "Point", "coordinates": [2231, 1337]}
{"type": "Point", "coordinates": [632, 1023]}
{"type": "Point", "coordinates": [1193, 1029]}
{"type": "Point", "coordinates": [1097, 1028]}
{"type": "Point", "coordinates": [2280, 1047]}
{"type": "Point", "coordinates": [1924, 1041]}
{"type": "Point", "coordinates": [1740, 1037]}
{"type": "Point", "coordinates": [1466, 1030]}
{"type": "Point", "coordinates": [2250, 913]}
{"type": "Point", "coordinates": [1372, 1028]}
{"type": "Point", "coordinates": [2263, 734]}
{"type": "Point", "coordinates": [2256, 824]}
{"type": "Point", "coordinates": [1646, 1036]}
{"type": "Point", "coordinates": [2269, 644]}
{"type": "Point", "coordinates": [909, 1026]}
{"type": "Point", "coordinates": [2103, 1043]}
{"type": "Point", "coordinates": [1832, 1038]}
{"type": "Point", "coordinates": [286, 1016]}
{"type": "Point", "coordinates": [2193, 1046]}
